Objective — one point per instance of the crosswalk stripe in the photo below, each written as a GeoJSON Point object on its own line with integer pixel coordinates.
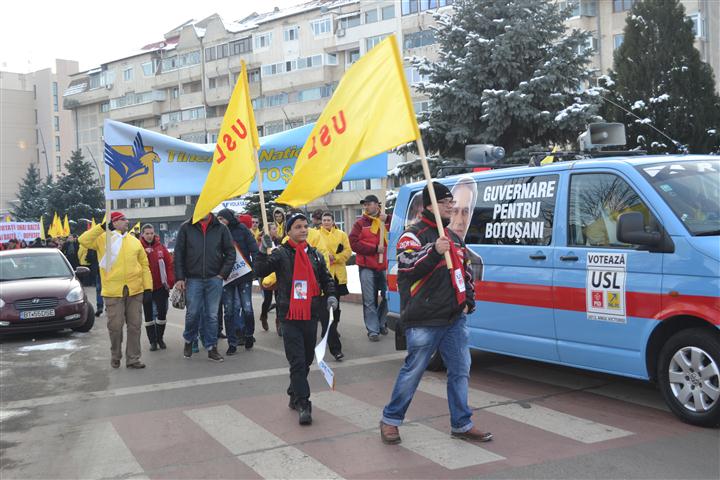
{"type": "Point", "coordinates": [563, 424]}
{"type": "Point", "coordinates": [286, 462]}
{"type": "Point", "coordinates": [427, 442]}
{"type": "Point", "coordinates": [100, 452]}
{"type": "Point", "coordinates": [259, 449]}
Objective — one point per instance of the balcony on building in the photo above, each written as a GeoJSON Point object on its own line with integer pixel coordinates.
{"type": "Point", "coordinates": [136, 106]}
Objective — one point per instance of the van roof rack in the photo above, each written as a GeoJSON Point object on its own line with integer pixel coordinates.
{"type": "Point", "coordinates": [537, 157]}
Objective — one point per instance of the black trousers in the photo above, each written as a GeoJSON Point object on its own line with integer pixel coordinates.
{"type": "Point", "coordinates": [267, 300]}
{"type": "Point", "coordinates": [299, 337]}
{"type": "Point", "coordinates": [160, 299]}
{"type": "Point", "coordinates": [334, 344]}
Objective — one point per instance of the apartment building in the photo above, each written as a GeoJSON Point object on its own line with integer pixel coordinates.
{"type": "Point", "coordinates": [33, 126]}
{"type": "Point", "coordinates": [606, 20]}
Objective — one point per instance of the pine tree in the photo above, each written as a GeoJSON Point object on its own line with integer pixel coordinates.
{"type": "Point", "coordinates": [252, 206]}
{"type": "Point", "coordinates": [77, 192]}
{"type": "Point", "coordinates": [658, 76]}
{"type": "Point", "coordinates": [31, 196]}
{"type": "Point", "coordinates": [509, 74]}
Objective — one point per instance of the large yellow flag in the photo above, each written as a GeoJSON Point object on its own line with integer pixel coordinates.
{"type": "Point", "coordinates": [42, 229]}
{"type": "Point", "coordinates": [55, 227]}
{"type": "Point", "coordinates": [65, 227]}
{"type": "Point", "coordinates": [233, 167]}
{"type": "Point", "coordinates": [369, 113]}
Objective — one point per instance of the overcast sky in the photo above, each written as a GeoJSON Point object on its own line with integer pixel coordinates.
{"type": "Point", "coordinates": [35, 33]}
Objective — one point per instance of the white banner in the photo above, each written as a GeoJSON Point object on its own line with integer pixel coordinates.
{"type": "Point", "coordinates": [240, 268]}
{"type": "Point", "coordinates": [320, 355]}
{"type": "Point", "coordinates": [27, 231]}
{"type": "Point", "coordinates": [605, 287]}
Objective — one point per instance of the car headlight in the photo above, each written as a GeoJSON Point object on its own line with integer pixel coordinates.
{"type": "Point", "coordinates": [75, 295]}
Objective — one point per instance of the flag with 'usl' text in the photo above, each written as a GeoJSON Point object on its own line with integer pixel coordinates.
{"type": "Point", "coordinates": [233, 164]}
{"type": "Point", "coordinates": [369, 113]}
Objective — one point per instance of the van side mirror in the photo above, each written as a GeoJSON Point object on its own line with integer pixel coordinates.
{"type": "Point", "coordinates": [631, 229]}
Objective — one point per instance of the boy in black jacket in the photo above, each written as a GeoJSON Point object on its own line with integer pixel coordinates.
{"type": "Point", "coordinates": [302, 278]}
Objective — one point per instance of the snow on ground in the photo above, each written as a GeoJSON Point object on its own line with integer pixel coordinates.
{"type": "Point", "coordinates": [66, 345]}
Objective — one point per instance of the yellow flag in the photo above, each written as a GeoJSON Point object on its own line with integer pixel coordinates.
{"type": "Point", "coordinates": [42, 229]}
{"type": "Point", "coordinates": [369, 113]}
{"type": "Point", "coordinates": [233, 167]}
{"type": "Point", "coordinates": [8, 218]}
{"type": "Point", "coordinates": [55, 227]}
{"type": "Point", "coordinates": [549, 158]}
{"type": "Point", "coordinates": [92, 224]}
{"type": "Point", "coordinates": [137, 226]}
{"type": "Point", "coordinates": [65, 227]}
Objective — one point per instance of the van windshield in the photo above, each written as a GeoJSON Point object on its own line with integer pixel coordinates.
{"type": "Point", "coordinates": [692, 190]}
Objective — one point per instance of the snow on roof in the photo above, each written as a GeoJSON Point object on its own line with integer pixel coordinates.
{"type": "Point", "coordinates": [76, 86]}
{"type": "Point", "coordinates": [255, 20]}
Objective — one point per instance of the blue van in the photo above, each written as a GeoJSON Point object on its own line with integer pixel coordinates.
{"type": "Point", "coordinates": [608, 264]}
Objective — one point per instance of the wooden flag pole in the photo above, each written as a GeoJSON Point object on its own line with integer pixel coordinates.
{"type": "Point", "coordinates": [382, 224]}
{"type": "Point", "coordinates": [263, 212]}
{"type": "Point", "coordinates": [108, 253]}
{"type": "Point", "coordinates": [433, 199]}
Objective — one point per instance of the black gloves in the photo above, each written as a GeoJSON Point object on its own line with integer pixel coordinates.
{"type": "Point", "coordinates": [267, 243]}
{"type": "Point", "coordinates": [147, 296]}
{"type": "Point", "coordinates": [340, 248]}
{"type": "Point", "coordinates": [332, 302]}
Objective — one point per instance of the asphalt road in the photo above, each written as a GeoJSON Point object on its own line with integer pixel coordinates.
{"type": "Point", "coordinates": [64, 413]}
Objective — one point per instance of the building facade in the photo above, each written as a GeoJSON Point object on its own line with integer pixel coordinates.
{"type": "Point", "coordinates": [34, 127]}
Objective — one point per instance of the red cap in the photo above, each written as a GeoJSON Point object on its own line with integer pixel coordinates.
{"type": "Point", "coordinates": [115, 216]}
{"type": "Point", "coordinates": [246, 220]}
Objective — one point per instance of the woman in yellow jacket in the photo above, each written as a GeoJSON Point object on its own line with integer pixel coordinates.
{"type": "Point", "coordinates": [337, 245]}
{"type": "Point", "coordinates": [126, 278]}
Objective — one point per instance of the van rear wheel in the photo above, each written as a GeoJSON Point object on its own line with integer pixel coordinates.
{"type": "Point", "coordinates": [689, 376]}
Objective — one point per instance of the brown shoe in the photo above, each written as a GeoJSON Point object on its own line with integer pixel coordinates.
{"type": "Point", "coordinates": [264, 322]}
{"type": "Point", "coordinates": [389, 434]}
{"type": "Point", "coordinates": [136, 365]}
{"type": "Point", "coordinates": [473, 435]}
{"type": "Point", "coordinates": [115, 363]}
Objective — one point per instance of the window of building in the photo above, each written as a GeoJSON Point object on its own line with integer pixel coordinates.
{"type": "Point", "coordinates": [618, 40]}
{"type": "Point", "coordinates": [321, 27]}
{"type": "Point", "coordinates": [211, 83]}
{"type": "Point", "coordinates": [274, 127]}
{"type": "Point", "coordinates": [371, 16]}
{"type": "Point", "coordinates": [128, 74]}
{"type": "Point", "coordinates": [35, 93]}
{"type": "Point", "coordinates": [331, 59]}
{"type": "Point", "coordinates": [418, 39]}
{"type": "Point", "coordinates": [697, 21]}
{"type": "Point", "coordinates": [148, 68]}
{"type": "Point", "coordinates": [409, 7]}
{"type": "Point", "coordinates": [164, 201]}
{"type": "Point", "coordinates": [58, 163]}
{"type": "Point", "coordinates": [55, 95]}
{"type": "Point", "coordinates": [352, 56]}
{"type": "Point", "coordinates": [622, 5]}
{"type": "Point", "coordinates": [263, 40]}
{"type": "Point", "coordinates": [592, 219]}
{"type": "Point", "coordinates": [182, 200]}
{"type": "Point", "coordinates": [194, 199]}
{"type": "Point", "coordinates": [174, 92]}
{"type": "Point", "coordinates": [276, 100]}
{"type": "Point", "coordinates": [241, 46]}
{"type": "Point", "coordinates": [57, 143]}
{"type": "Point", "coordinates": [413, 76]}
{"type": "Point", "coordinates": [388, 12]}
{"type": "Point", "coordinates": [56, 123]}
{"type": "Point", "coordinates": [192, 114]}
{"type": "Point", "coordinates": [349, 22]}
{"type": "Point", "coordinates": [309, 62]}
{"type": "Point", "coordinates": [121, 203]}
{"type": "Point", "coordinates": [192, 87]}
{"type": "Point", "coordinates": [210, 54]}
{"type": "Point", "coordinates": [422, 106]}
{"type": "Point", "coordinates": [223, 50]}
{"type": "Point", "coordinates": [291, 34]}
{"type": "Point", "coordinates": [370, 42]}
{"type": "Point", "coordinates": [254, 75]}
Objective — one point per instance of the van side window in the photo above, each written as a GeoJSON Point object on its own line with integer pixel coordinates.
{"type": "Point", "coordinates": [596, 202]}
{"type": "Point", "coordinates": [514, 211]}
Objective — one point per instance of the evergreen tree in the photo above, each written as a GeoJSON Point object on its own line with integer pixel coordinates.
{"type": "Point", "coordinates": [253, 204]}
{"type": "Point", "coordinates": [77, 193]}
{"type": "Point", "coordinates": [658, 76]}
{"type": "Point", "coordinates": [508, 73]}
{"type": "Point", "coordinates": [31, 196]}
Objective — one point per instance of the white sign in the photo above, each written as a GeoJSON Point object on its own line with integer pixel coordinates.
{"type": "Point", "coordinates": [240, 268]}
{"type": "Point", "coordinates": [605, 287]}
{"type": "Point", "coordinates": [27, 231]}
{"type": "Point", "coordinates": [236, 205]}
{"type": "Point", "coordinates": [320, 355]}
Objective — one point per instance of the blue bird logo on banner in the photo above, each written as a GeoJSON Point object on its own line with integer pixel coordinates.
{"type": "Point", "coordinates": [129, 163]}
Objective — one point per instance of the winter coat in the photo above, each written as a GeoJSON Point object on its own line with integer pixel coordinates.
{"type": "Point", "coordinates": [365, 244]}
{"type": "Point", "coordinates": [282, 262]}
{"type": "Point", "coordinates": [427, 294]}
{"type": "Point", "coordinates": [70, 250]}
{"type": "Point", "coordinates": [203, 255]}
{"type": "Point", "coordinates": [156, 251]}
{"type": "Point", "coordinates": [338, 245]}
{"type": "Point", "coordinates": [130, 269]}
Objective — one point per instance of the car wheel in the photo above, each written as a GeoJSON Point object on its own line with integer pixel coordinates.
{"type": "Point", "coordinates": [89, 320]}
{"type": "Point", "coordinates": [436, 363]}
{"type": "Point", "coordinates": [689, 376]}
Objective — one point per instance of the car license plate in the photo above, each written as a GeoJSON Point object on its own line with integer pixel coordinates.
{"type": "Point", "coordinates": [50, 312]}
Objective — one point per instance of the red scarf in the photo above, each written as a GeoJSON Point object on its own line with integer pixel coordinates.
{"type": "Point", "coordinates": [457, 273]}
{"type": "Point", "coordinates": [304, 285]}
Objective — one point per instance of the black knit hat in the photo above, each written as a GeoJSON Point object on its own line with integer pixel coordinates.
{"type": "Point", "coordinates": [441, 192]}
{"type": "Point", "coordinates": [228, 215]}
{"type": "Point", "coordinates": [292, 217]}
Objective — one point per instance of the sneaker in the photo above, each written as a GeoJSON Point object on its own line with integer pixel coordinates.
{"type": "Point", "coordinates": [195, 348]}
{"type": "Point", "coordinates": [473, 435]}
{"type": "Point", "coordinates": [339, 356]}
{"type": "Point", "coordinates": [232, 350]}
{"type": "Point", "coordinates": [214, 355]}
{"type": "Point", "coordinates": [373, 337]}
{"type": "Point", "coordinates": [384, 330]}
{"type": "Point", "coordinates": [304, 412]}
{"type": "Point", "coordinates": [153, 347]}
{"type": "Point", "coordinates": [389, 434]}
{"type": "Point", "coordinates": [249, 341]}
{"type": "Point", "coordinates": [188, 350]}
{"type": "Point", "coordinates": [115, 363]}
{"type": "Point", "coordinates": [136, 365]}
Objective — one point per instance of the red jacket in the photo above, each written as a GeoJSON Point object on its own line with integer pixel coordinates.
{"type": "Point", "coordinates": [155, 253]}
{"type": "Point", "coordinates": [365, 243]}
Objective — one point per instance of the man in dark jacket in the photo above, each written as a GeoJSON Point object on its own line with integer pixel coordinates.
{"type": "Point", "coordinates": [70, 249]}
{"type": "Point", "coordinates": [433, 302]}
{"type": "Point", "coordinates": [204, 257]}
{"type": "Point", "coordinates": [237, 295]}
{"type": "Point", "coordinates": [372, 263]}
{"type": "Point", "coordinates": [302, 280]}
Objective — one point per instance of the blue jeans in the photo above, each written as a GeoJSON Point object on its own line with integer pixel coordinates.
{"type": "Point", "coordinates": [202, 298]}
{"type": "Point", "coordinates": [246, 313]}
{"type": "Point", "coordinates": [452, 340]}
{"type": "Point", "coordinates": [239, 315]}
{"type": "Point", "coordinates": [374, 313]}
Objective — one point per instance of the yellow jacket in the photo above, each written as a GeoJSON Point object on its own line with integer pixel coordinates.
{"type": "Point", "coordinates": [82, 256]}
{"type": "Point", "coordinates": [131, 268]}
{"type": "Point", "coordinates": [315, 240]}
{"type": "Point", "coordinates": [332, 239]}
